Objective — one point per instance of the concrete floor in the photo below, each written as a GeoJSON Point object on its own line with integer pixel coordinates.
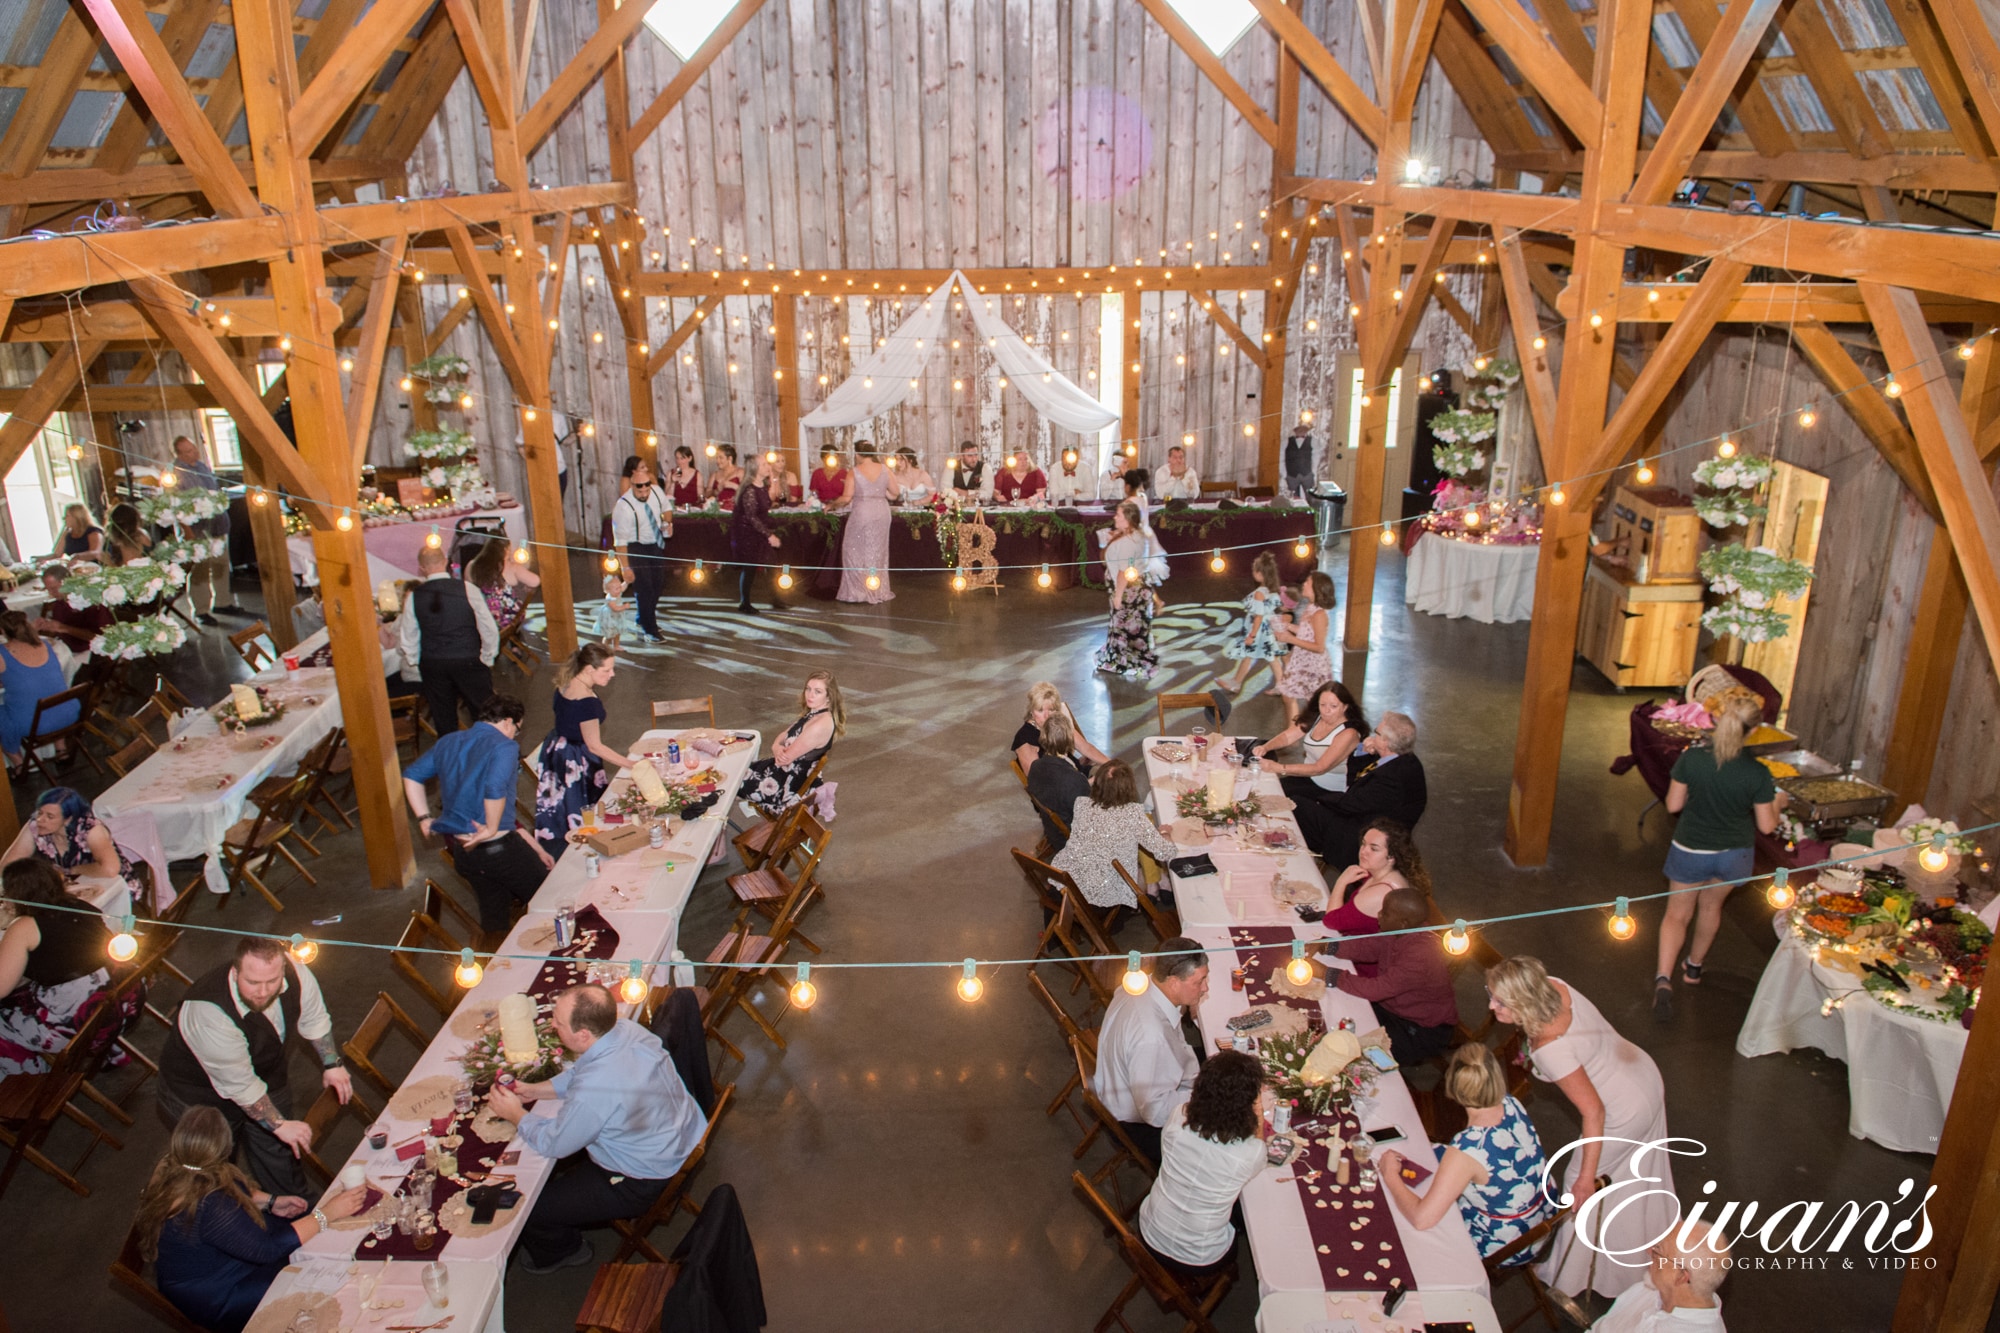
{"type": "Point", "coordinates": [894, 1162]}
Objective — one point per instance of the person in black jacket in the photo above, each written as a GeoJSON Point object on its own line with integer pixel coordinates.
{"type": "Point", "coordinates": [448, 630]}
{"type": "Point", "coordinates": [1385, 780]}
{"type": "Point", "coordinates": [1055, 781]}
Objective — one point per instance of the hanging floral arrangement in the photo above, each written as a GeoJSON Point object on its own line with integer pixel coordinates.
{"type": "Point", "coordinates": [1460, 437]}
{"type": "Point", "coordinates": [1727, 509]}
{"type": "Point", "coordinates": [182, 507]}
{"type": "Point", "coordinates": [132, 584]}
{"type": "Point", "coordinates": [190, 550]}
{"type": "Point", "coordinates": [442, 366]}
{"type": "Point", "coordinates": [1488, 388]}
{"type": "Point", "coordinates": [1751, 579]}
{"type": "Point", "coordinates": [444, 442]}
{"type": "Point", "coordinates": [945, 505]}
{"type": "Point", "coordinates": [130, 640]}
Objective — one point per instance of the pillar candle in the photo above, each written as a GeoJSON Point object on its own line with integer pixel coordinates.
{"type": "Point", "coordinates": [647, 779]}
{"type": "Point", "coordinates": [245, 701]}
{"type": "Point", "coordinates": [1221, 788]}
{"type": "Point", "coordinates": [387, 598]}
{"type": "Point", "coordinates": [517, 1028]}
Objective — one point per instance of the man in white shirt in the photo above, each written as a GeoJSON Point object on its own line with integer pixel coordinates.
{"type": "Point", "coordinates": [228, 1049]}
{"type": "Point", "coordinates": [448, 633]}
{"type": "Point", "coordinates": [1179, 481]}
{"type": "Point", "coordinates": [1145, 1067]}
{"type": "Point", "coordinates": [1067, 484]}
{"type": "Point", "coordinates": [641, 522]}
{"type": "Point", "coordinates": [1678, 1295]}
{"type": "Point", "coordinates": [970, 477]}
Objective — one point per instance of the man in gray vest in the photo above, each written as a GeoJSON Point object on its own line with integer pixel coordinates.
{"type": "Point", "coordinates": [449, 632]}
{"type": "Point", "coordinates": [228, 1050]}
{"type": "Point", "coordinates": [1298, 461]}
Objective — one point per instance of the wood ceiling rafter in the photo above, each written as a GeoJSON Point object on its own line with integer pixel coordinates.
{"type": "Point", "coordinates": [697, 65]}
{"type": "Point", "coordinates": [351, 67]}
{"type": "Point", "coordinates": [1210, 65]}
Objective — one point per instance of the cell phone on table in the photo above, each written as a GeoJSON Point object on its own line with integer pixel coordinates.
{"type": "Point", "coordinates": [1380, 1058]}
{"type": "Point", "coordinates": [1386, 1134]}
{"type": "Point", "coordinates": [1278, 1149]}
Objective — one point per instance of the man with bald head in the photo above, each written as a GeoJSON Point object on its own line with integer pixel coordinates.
{"type": "Point", "coordinates": [1678, 1295]}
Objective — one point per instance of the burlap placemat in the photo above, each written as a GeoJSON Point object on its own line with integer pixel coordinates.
{"type": "Point", "coordinates": [1285, 1022]}
{"type": "Point", "coordinates": [1276, 805]}
{"type": "Point", "coordinates": [278, 1314]}
{"type": "Point", "coordinates": [423, 1099]}
{"type": "Point", "coordinates": [456, 1217]}
{"type": "Point", "coordinates": [1297, 893]}
{"type": "Point", "coordinates": [474, 1019]}
{"type": "Point", "coordinates": [491, 1127]}
{"type": "Point", "coordinates": [538, 939]}
{"type": "Point", "coordinates": [1190, 833]}
{"type": "Point", "coordinates": [1312, 990]}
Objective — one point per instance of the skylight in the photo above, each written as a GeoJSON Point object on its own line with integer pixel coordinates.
{"type": "Point", "coordinates": [685, 24]}
{"type": "Point", "coordinates": [1217, 22]}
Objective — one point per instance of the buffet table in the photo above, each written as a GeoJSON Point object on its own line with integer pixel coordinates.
{"type": "Point", "coordinates": [632, 910]}
{"type": "Point", "coordinates": [393, 547]}
{"type": "Point", "coordinates": [1901, 1068]}
{"type": "Point", "coordinates": [1063, 539]}
{"type": "Point", "coordinates": [1295, 1224]}
{"type": "Point", "coordinates": [1492, 582]}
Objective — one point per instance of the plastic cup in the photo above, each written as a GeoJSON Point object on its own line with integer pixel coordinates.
{"type": "Point", "coordinates": [291, 661]}
{"type": "Point", "coordinates": [441, 1125]}
{"type": "Point", "coordinates": [353, 1175]}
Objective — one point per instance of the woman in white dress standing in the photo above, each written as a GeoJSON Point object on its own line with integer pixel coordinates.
{"type": "Point", "coordinates": [864, 544]}
{"type": "Point", "coordinates": [1617, 1090]}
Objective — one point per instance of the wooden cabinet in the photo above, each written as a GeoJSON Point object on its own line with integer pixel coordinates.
{"type": "Point", "coordinates": [1657, 533]}
{"type": "Point", "coordinates": [1638, 633]}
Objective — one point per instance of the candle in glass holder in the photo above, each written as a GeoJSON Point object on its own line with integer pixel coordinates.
{"type": "Point", "coordinates": [517, 1028]}
{"type": "Point", "coordinates": [1221, 788]}
{"type": "Point", "coordinates": [647, 779]}
{"type": "Point", "coordinates": [245, 702]}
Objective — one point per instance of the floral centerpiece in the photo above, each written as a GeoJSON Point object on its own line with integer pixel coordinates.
{"type": "Point", "coordinates": [182, 507]}
{"type": "Point", "coordinates": [1751, 579]}
{"type": "Point", "coordinates": [1320, 1074]}
{"type": "Point", "coordinates": [133, 584]}
{"type": "Point", "coordinates": [1195, 805]}
{"type": "Point", "coordinates": [269, 710]}
{"type": "Point", "coordinates": [483, 1060]}
{"type": "Point", "coordinates": [444, 442]}
{"type": "Point", "coordinates": [676, 794]}
{"type": "Point", "coordinates": [130, 640]}
{"type": "Point", "coordinates": [1729, 486]}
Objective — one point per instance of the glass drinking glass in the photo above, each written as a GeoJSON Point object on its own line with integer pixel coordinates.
{"type": "Point", "coordinates": [1198, 742]}
{"type": "Point", "coordinates": [437, 1284]}
{"type": "Point", "coordinates": [383, 1226]}
{"type": "Point", "coordinates": [461, 1097]}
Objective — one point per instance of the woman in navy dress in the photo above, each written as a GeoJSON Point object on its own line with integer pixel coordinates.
{"type": "Point", "coordinates": [574, 755]}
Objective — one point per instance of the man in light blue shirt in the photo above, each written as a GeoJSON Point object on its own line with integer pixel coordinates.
{"type": "Point", "coordinates": [625, 1125]}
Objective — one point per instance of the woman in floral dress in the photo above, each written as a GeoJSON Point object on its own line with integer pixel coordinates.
{"type": "Point", "coordinates": [66, 831]}
{"type": "Point", "coordinates": [779, 783]}
{"type": "Point", "coordinates": [1131, 561]}
{"type": "Point", "coordinates": [574, 755]}
{"type": "Point", "coordinates": [1307, 667]}
{"type": "Point", "coordinates": [52, 965]}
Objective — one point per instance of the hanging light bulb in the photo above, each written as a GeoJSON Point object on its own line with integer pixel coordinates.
{"type": "Point", "coordinates": [259, 498]}
{"type": "Point", "coordinates": [632, 990]}
{"type": "Point", "coordinates": [589, 430]}
{"type": "Point", "coordinates": [1558, 496]}
{"type": "Point", "coordinates": [1781, 894]}
{"type": "Point", "coordinates": [1070, 457]}
{"type": "Point", "coordinates": [699, 574]}
{"type": "Point", "coordinates": [1644, 474]}
{"type": "Point", "coordinates": [1216, 562]}
{"type": "Point", "coordinates": [1300, 970]}
{"type": "Point", "coordinates": [433, 538]}
{"type": "Point", "coordinates": [345, 522]}
{"type": "Point", "coordinates": [285, 343]}
{"type": "Point", "coordinates": [1302, 548]}
{"type": "Point", "coordinates": [1936, 856]}
{"type": "Point", "coordinates": [1472, 517]}
{"type": "Point", "coordinates": [1131, 451]}
{"type": "Point", "coordinates": [970, 987]}
{"type": "Point", "coordinates": [123, 945]}
{"type": "Point", "coordinates": [1893, 389]}
{"type": "Point", "coordinates": [785, 577]}
{"type": "Point", "coordinates": [347, 364]}
{"type": "Point", "coordinates": [1045, 579]}
{"type": "Point", "coordinates": [709, 448]}
{"type": "Point", "coordinates": [404, 384]}
{"type": "Point", "coordinates": [168, 479]}
{"type": "Point", "coordinates": [652, 441]}
{"type": "Point", "coordinates": [1135, 981]}
{"type": "Point", "coordinates": [75, 452]}
{"type": "Point", "coordinates": [874, 580]}
{"type": "Point", "coordinates": [1012, 459]}
{"type": "Point", "coordinates": [528, 414]}
{"type": "Point", "coordinates": [1388, 536]}
{"type": "Point", "coordinates": [803, 993]}
{"type": "Point", "coordinates": [1807, 417]}
{"type": "Point", "coordinates": [1727, 449]}
{"type": "Point", "coordinates": [611, 564]}
{"type": "Point", "coordinates": [225, 321]}
{"type": "Point", "coordinates": [1367, 400]}
{"type": "Point", "coordinates": [520, 555]}
{"type": "Point", "coordinates": [468, 972]}
{"type": "Point", "coordinates": [1623, 927]}
{"type": "Point", "coordinates": [1540, 342]}
{"type": "Point", "coordinates": [1965, 351]}
{"type": "Point", "coordinates": [465, 401]}
{"type": "Point", "coordinates": [302, 949]}
{"type": "Point", "coordinates": [1456, 941]}
{"type": "Point", "coordinates": [1596, 320]}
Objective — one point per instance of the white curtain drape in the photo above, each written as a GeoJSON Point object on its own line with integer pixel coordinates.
{"type": "Point", "coordinates": [883, 380]}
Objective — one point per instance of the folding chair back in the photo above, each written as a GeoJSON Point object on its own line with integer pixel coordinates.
{"type": "Point", "coordinates": [1019, 772]}
{"type": "Point", "coordinates": [673, 1197]}
{"type": "Point", "coordinates": [1070, 1031]}
{"type": "Point", "coordinates": [253, 845]}
{"type": "Point", "coordinates": [360, 1048]}
{"type": "Point", "coordinates": [323, 1115]}
{"type": "Point", "coordinates": [1124, 1152]}
{"type": "Point", "coordinates": [31, 1103]}
{"type": "Point", "coordinates": [702, 705]}
{"type": "Point", "coordinates": [44, 732]}
{"type": "Point", "coordinates": [1536, 1240]}
{"type": "Point", "coordinates": [1177, 703]}
{"type": "Point", "coordinates": [128, 1274]}
{"type": "Point", "coordinates": [130, 755]}
{"type": "Point", "coordinates": [1191, 1302]}
{"type": "Point", "coordinates": [245, 642]}
{"type": "Point", "coordinates": [1164, 922]}
{"type": "Point", "coordinates": [439, 905]}
{"type": "Point", "coordinates": [424, 934]}
{"type": "Point", "coordinates": [758, 844]}
{"type": "Point", "coordinates": [1038, 874]}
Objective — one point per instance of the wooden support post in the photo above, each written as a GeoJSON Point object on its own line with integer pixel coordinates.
{"type": "Point", "coordinates": [410, 316]}
{"type": "Point", "coordinates": [59, 377]}
{"type": "Point", "coordinates": [274, 563]}
{"type": "Point", "coordinates": [791, 444]}
{"type": "Point", "coordinates": [1128, 378]}
{"type": "Point", "coordinates": [298, 279]}
{"type": "Point", "coordinates": [1927, 672]}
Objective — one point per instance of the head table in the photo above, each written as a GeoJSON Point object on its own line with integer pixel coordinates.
{"type": "Point", "coordinates": [632, 910]}
{"type": "Point", "coordinates": [1298, 1224]}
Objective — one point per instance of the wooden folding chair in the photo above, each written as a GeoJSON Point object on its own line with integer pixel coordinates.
{"type": "Point", "coordinates": [673, 1198]}
{"type": "Point", "coordinates": [1193, 1302]}
{"type": "Point", "coordinates": [1164, 922]}
{"type": "Point", "coordinates": [129, 756]}
{"type": "Point", "coordinates": [322, 1116]}
{"type": "Point", "coordinates": [43, 733]}
{"type": "Point", "coordinates": [703, 705]}
{"type": "Point", "coordinates": [812, 780]}
{"type": "Point", "coordinates": [132, 977]}
{"type": "Point", "coordinates": [1537, 1241]}
{"type": "Point", "coordinates": [1032, 869]}
{"type": "Point", "coordinates": [426, 932]}
{"type": "Point", "coordinates": [30, 1104]}
{"type": "Point", "coordinates": [359, 1049]}
{"type": "Point", "coordinates": [1044, 849]}
{"type": "Point", "coordinates": [1177, 703]}
{"type": "Point", "coordinates": [1214, 488]}
{"type": "Point", "coordinates": [409, 722]}
{"type": "Point", "coordinates": [245, 642]}
{"type": "Point", "coordinates": [1070, 1030]}
{"type": "Point", "coordinates": [515, 648]}
{"type": "Point", "coordinates": [756, 844]}
{"type": "Point", "coordinates": [626, 1298]}
{"type": "Point", "coordinates": [1124, 1152]}
{"type": "Point", "coordinates": [743, 960]}
{"type": "Point", "coordinates": [767, 888]}
{"type": "Point", "coordinates": [1019, 772]}
{"type": "Point", "coordinates": [253, 844]}
{"type": "Point", "coordinates": [128, 1274]}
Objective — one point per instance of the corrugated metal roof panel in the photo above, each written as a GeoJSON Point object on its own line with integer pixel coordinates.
{"type": "Point", "coordinates": [1674, 42]}
{"type": "Point", "coordinates": [88, 117]}
{"type": "Point", "coordinates": [1903, 99]}
{"type": "Point", "coordinates": [1535, 118]}
{"type": "Point", "coordinates": [1798, 105]}
{"type": "Point", "coordinates": [1862, 25]}
{"type": "Point", "coordinates": [10, 99]}
{"type": "Point", "coordinates": [360, 125]}
{"type": "Point", "coordinates": [390, 69]}
{"type": "Point", "coordinates": [34, 27]}
{"type": "Point", "coordinates": [1650, 121]}
{"type": "Point", "coordinates": [212, 57]}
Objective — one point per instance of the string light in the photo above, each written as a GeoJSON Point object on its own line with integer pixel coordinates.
{"type": "Point", "coordinates": [465, 401]}
{"type": "Point", "coordinates": [75, 452]}
{"type": "Point", "coordinates": [1135, 978]}
{"type": "Point", "coordinates": [347, 364]}
{"type": "Point", "coordinates": [803, 993]}
{"type": "Point", "coordinates": [1893, 389]}
{"type": "Point", "coordinates": [1644, 474]}
{"type": "Point", "coordinates": [123, 945]}
{"type": "Point", "coordinates": [1540, 342]}
{"type": "Point", "coordinates": [528, 414]}
{"type": "Point", "coordinates": [1727, 449]}
{"type": "Point", "coordinates": [302, 949]}
{"type": "Point", "coordinates": [345, 522]}
{"type": "Point", "coordinates": [958, 583]}
{"type": "Point", "coordinates": [1300, 970]}
{"type": "Point", "coordinates": [259, 498]}
{"type": "Point", "coordinates": [1935, 857]}
{"type": "Point", "coordinates": [1623, 927]}
{"type": "Point", "coordinates": [970, 987]}
{"type": "Point", "coordinates": [1807, 417]}
{"type": "Point", "coordinates": [468, 972]}
{"type": "Point", "coordinates": [434, 539]}
{"type": "Point", "coordinates": [785, 577]}
{"type": "Point", "coordinates": [1045, 579]}
{"type": "Point", "coordinates": [1472, 517]}
{"type": "Point", "coordinates": [611, 564]}
{"type": "Point", "coordinates": [404, 384]}
{"type": "Point", "coordinates": [1596, 320]}
{"type": "Point", "coordinates": [1132, 573]}
{"type": "Point", "coordinates": [632, 989]}
{"type": "Point", "coordinates": [1965, 351]}
{"type": "Point", "coordinates": [520, 555]}
{"type": "Point", "coordinates": [1216, 562]}
{"type": "Point", "coordinates": [1388, 536]}
{"type": "Point", "coordinates": [1456, 941]}
{"type": "Point", "coordinates": [874, 580]}
{"type": "Point", "coordinates": [699, 574]}
{"type": "Point", "coordinates": [1558, 497]}
{"type": "Point", "coordinates": [1302, 548]}
{"type": "Point", "coordinates": [1781, 894]}
{"type": "Point", "coordinates": [285, 343]}
{"type": "Point", "coordinates": [168, 478]}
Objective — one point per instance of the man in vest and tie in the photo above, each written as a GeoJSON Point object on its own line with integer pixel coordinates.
{"type": "Point", "coordinates": [448, 631]}
{"type": "Point", "coordinates": [228, 1050]}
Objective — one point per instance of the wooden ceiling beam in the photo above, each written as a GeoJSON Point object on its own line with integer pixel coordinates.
{"type": "Point", "coordinates": [90, 184]}
{"type": "Point", "coordinates": [1416, 290]}
{"type": "Point", "coordinates": [364, 385]}
{"type": "Point", "coordinates": [1234, 331]}
{"type": "Point", "coordinates": [41, 108]}
{"type": "Point", "coordinates": [1783, 302]}
{"type": "Point", "coordinates": [1976, 54]}
{"type": "Point", "coordinates": [488, 78]}
{"type": "Point", "coordinates": [1489, 99]}
{"type": "Point", "coordinates": [1538, 379]}
{"type": "Point", "coordinates": [452, 318]}
{"type": "Point", "coordinates": [1312, 55]}
{"type": "Point", "coordinates": [1548, 72]}
{"type": "Point", "coordinates": [499, 331]}
{"type": "Point", "coordinates": [597, 54]}
{"type": "Point", "coordinates": [186, 25]}
{"type": "Point", "coordinates": [1833, 79]}
{"type": "Point", "coordinates": [890, 283]}
{"type": "Point", "coordinates": [1761, 122]}
{"type": "Point", "coordinates": [1195, 49]}
{"type": "Point", "coordinates": [1901, 171]}
{"type": "Point", "coordinates": [123, 321]}
{"type": "Point", "coordinates": [1864, 401]}
{"type": "Point", "coordinates": [68, 363]}
{"type": "Point", "coordinates": [682, 332]}
{"type": "Point", "coordinates": [156, 78]}
{"type": "Point", "coordinates": [351, 68]}
{"type": "Point", "coordinates": [422, 84]}
{"type": "Point", "coordinates": [684, 78]}
{"type": "Point", "coordinates": [119, 398]}
{"type": "Point", "coordinates": [1715, 76]}
{"type": "Point", "coordinates": [1412, 54]}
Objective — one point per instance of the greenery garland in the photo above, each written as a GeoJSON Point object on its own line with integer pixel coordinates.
{"type": "Point", "coordinates": [440, 366]}
{"type": "Point", "coordinates": [133, 584]}
{"type": "Point", "coordinates": [190, 550]}
{"type": "Point", "coordinates": [182, 507]}
{"type": "Point", "coordinates": [129, 640]}
{"type": "Point", "coordinates": [444, 442]}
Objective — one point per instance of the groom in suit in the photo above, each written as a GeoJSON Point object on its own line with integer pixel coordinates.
{"type": "Point", "coordinates": [1388, 784]}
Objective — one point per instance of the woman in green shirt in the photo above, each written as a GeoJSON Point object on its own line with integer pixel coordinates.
{"type": "Point", "coordinates": [1724, 798]}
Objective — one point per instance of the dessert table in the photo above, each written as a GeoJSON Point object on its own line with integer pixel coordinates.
{"type": "Point", "coordinates": [1900, 1068]}
{"type": "Point", "coordinates": [1492, 582]}
{"type": "Point", "coordinates": [630, 911]}
{"type": "Point", "coordinates": [1312, 1312]}
{"type": "Point", "coordinates": [396, 545]}
{"type": "Point", "coordinates": [1297, 1219]}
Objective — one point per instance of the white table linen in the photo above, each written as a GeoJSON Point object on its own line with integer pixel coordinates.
{"type": "Point", "coordinates": [1310, 1312]}
{"type": "Point", "coordinates": [1491, 583]}
{"type": "Point", "coordinates": [473, 1294]}
{"type": "Point", "coordinates": [1900, 1068]}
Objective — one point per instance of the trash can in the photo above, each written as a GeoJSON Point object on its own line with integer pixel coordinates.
{"type": "Point", "coordinates": [1329, 504]}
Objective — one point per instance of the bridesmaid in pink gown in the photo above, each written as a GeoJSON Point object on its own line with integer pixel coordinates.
{"type": "Point", "coordinates": [864, 544]}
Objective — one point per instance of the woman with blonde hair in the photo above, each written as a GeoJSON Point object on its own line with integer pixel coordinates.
{"type": "Point", "coordinates": [82, 539]}
{"type": "Point", "coordinates": [1617, 1092]}
{"type": "Point", "coordinates": [574, 754]}
{"type": "Point", "coordinates": [1044, 701]}
{"type": "Point", "coordinates": [782, 781]}
{"type": "Point", "coordinates": [1724, 798]}
{"type": "Point", "coordinates": [216, 1242]}
{"type": "Point", "coordinates": [1492, 1169]}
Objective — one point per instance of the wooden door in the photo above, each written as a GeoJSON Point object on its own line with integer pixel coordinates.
{"type": "Point", "coordinates": [1797, 506]}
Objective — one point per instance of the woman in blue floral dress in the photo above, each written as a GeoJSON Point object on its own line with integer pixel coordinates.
{"type": "Point", "coordinates": [574, 755]}
{"type": "Point", "coordinates": [781, 782]}
{"type": "Point", "coordinates": [1493, 1168]}
{"type": "Point", "coordinates": [1255, 645]}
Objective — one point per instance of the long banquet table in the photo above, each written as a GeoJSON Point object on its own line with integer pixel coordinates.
{"type": "Point", "coordinates": [640, 897]}
{"type": "Point", "coordinates": [1243, 923]}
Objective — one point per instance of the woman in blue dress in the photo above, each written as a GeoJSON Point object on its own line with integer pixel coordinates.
{"type": "Point", "coordinates": [574, 755]}
{"type": "Point", "coordinates": [30, 672]}
{"type": "Point", "coordinates": [1493, 1169]}
{"type": "Point", "coordinates": [1255, 646]}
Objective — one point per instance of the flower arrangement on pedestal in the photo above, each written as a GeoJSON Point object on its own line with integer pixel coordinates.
{"type": "Point", "coordinates": [1751, 579]}
{"type": "Point", "coordinates": [130, 640]}
{"type": "Point", "coordinates": [133, 584]}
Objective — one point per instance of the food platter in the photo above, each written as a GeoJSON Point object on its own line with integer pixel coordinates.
{"type": "Point", "coordinates": [1823, 798]}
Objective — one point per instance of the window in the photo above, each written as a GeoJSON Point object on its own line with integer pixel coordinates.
{"type": "Point", "coordinates": [225, 443]}
{"type": "Point", "coordinates": [1219, 23]}
{"type": "Point", "coordinates": [685, 24]}
{"type": "Point", "coordinates": [39, 485]}
{"type": "Point", "coordinates": [1354, 391]}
